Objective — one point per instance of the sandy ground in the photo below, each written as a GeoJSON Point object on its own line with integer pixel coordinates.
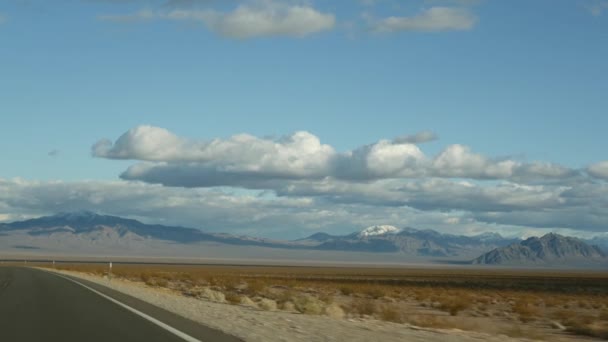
{"type": "Point", "coordinates": [257, 325]}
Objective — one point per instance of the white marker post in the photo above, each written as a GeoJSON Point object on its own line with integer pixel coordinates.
{"type": "Point", "coordinates": [53, 263]}
{"type": "Point", "coordinates": [110, 271]}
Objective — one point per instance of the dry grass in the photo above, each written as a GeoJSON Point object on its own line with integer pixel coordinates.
{"type": "Point", "coordinates": [233, 298]}
{"type": "Point", "coordinates": [526, 310]}
{"type": "Point", "coordinates": [463, 299]}
{"type": "Point", "coordinates": [392, 313]}
{"type": "Point", "coordinates": [363, 307]}
{"type": "Point", "coordinates": [453, 304]}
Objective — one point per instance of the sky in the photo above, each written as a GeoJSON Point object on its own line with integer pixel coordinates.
{"type": "Point", "coordinates": [285, 118]}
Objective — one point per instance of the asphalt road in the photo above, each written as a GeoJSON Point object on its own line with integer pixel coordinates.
{"type": "Point", "coordinates": [39, 306]}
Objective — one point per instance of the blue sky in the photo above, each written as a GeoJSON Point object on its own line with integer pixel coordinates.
{"type": "Point", "coordinates": [519, 80]}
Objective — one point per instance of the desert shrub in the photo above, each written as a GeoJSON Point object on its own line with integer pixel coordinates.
{"type": "Point", "coordinates": [267, 304]}
{"type": "Point", "coordinates": [233, 298]}
{"type": "Point", "coordinates": [363, 307]}
{"type": "Point", "coordinates": [248, 302]}
{"type": "Point", "coordinates": [145, 276]}
{"type": "Point", "coordinates": [326, 298]}
{"type": "Point", "coordinates": [454, 304]}
{"type": "Point", "coordinates": [287, 306]}
{"type": "Point", "coordinates": [427, 321]}
{"type": "Point", "coordinates": [346, 290]}
{"type": "Point", "coordinates": [255, 286]}
{"type": "Point", "coordinates": [591, 330]}
{"type": "Point", "coordinates": [526, 311]}
{"type": "Point", "coordinates": [483, 300]}
{"type": "Point", "coordinates": [583, 304]}
{"type": "Point", "coordinates": [162, 282]}
{"type": "Point", "coordinates": [552, 302]}
{"type": "Point", "coordinates": [309, 305]}
{"type": "Point", "coordinates": [375, 292]}
{"type": "Point", "coordinates": [562, 315]}
{"type": "Point", "coordinates": [334, 310]}
{"type": "Point", "coordinates": [391, 313]}
{"type": "Point", "coordinates": [185, 277]}
{"type": "Point", "coordinates": [282, 296]}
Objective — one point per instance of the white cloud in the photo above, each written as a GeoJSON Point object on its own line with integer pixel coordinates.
{"type": "Point", "coordinates": [248, 161]}
{"type": "Point", "coordinates": [248, 20]}
{"type": "Point", "coordinates": [436, 194]}
{"type": "Point", "coordinates": [458, 161]}
{"type": "Point", "coordinates": [375, 178]}
{"type": "Point", "coordinates": [270, 18]}
{"type": "Point", "coordinates": [333, 206]}
{"type": "Point", "coordinates": [434, 19]}
{"type": "Point", "coordinates": [298, 155]}
{"type": "Point", "coordinates": [599, 170]}
{"type": "Point", "coordinates": [212, 209]}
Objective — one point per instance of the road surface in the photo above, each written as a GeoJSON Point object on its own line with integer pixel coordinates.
{"type": "Point", "coordinates": [39, 306]}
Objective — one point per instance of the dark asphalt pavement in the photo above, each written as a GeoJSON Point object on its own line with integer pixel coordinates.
{"type": "Point", "coordinates": [39, 306]}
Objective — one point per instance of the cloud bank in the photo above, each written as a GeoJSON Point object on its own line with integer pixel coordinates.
{"type": "Point", "coordinates": [599, 170]}
{"type": "Point", "coordinates": [434, 19]}
{"type": "Point", "coordinates": [373, 179]}
{"type": "Point", "coordinates": [247, 20]}
{"type": "Point", "coordinates": [249, 161]}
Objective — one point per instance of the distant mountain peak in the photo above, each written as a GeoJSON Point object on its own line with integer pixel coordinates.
{"type": "Point", "coordinates": [320, 236]}
{"type": "Point", "coordinates": [379, 230]}
{"type": "Point", "coordinates": [551, 247]}
{"type": "Point", "coordinates": [76, 215]}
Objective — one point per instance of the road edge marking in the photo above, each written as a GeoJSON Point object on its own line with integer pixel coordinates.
{"type": "Point", "coordinates": [149, 318]}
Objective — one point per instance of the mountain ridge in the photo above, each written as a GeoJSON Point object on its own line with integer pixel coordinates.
{"type": "Point", "coordinates": [88, 227]}
{"type": "Point", "coordinates": [549, 248]}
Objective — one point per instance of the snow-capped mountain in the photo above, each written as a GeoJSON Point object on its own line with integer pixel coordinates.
{"type": "Point", "coordinates": [86, 230]}
{"type": "Point", "coordinates": [378, 230]}
{"type": "Point", "coordinates": [409, 241]}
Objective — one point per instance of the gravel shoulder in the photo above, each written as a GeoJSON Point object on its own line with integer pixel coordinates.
{"type": "Point", "coordinates": [253, 324]}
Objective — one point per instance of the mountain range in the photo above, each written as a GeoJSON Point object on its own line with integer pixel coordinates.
{"type": "Point", "coordinates": [86, 231]}
{"type": "Point", "coordinates": [550, 248]}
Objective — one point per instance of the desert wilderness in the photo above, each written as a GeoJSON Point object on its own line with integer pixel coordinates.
{"type": "Point", "coordinates": [303, 170]}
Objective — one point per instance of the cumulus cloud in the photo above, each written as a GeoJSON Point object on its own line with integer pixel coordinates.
{"type": "Point", "coordinates": [247, 20]}
{"type": "Point", "coordinates": [248, 161]}
{"type": "Point", "coordinates": [599, 170]}
{"type": "Point", "coordinates": [580, 207]}
{"type": "Point", "coordinates": [270, 19]}
{"type": "Point", "coordinates": [434, 194]}
{"type": "Point", "coordinates": [434, 19]}
{"type": "Point", "coordinates": [378, 178]}
{"type": "Point", "coordinates": [459, 161]}
{"type": "Point", "coordinates": [300, 155]}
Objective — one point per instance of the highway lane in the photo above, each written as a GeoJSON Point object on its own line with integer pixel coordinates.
{"type": "Point", "coordinates": [39, 306]}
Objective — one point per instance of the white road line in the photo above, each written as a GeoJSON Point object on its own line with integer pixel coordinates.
{"type": "Point", "coordinates": [167, 327]}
